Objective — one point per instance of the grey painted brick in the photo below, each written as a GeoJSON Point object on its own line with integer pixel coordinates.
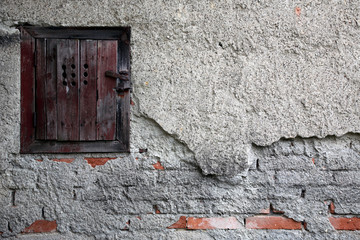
{"type": "Point", "coordinates": [347, 178]}
{"type": "Point", "coordinates": [28, 197]}
{"type": "Point", "coordinates": [158, 193]}
{"type": "Point", "coordinates": [258, 234]}
{"type": "Point", "coordinates": [179, 235]}
{"type": "Point", "coordinates": [3, 225]}
{"type": "Point", "coordinates": [256, 177]}
{"type": "Point", "coordinates": [342, 159]}
{"type": "Point", "coordinates": [291, 162]}
{"type": "Point", "coordinates": [19, 179]}
{"type": "Point", "coordinates": [314, 177]}
{"type": "Point", "coordinates": [119, 206]}
{"type": "Point", "coordinates": [89, 219]}
{"type": "Point", "coordinates": [54, 236]}
{"type": "Point", "coordinates": [285, 148]}
{"type": "Point", "coordinates": [154, 222]}
{"type": "Point", "coordinates": [336, 193]}
{"type": "Point", "coordinates": [283, 192]}
{"type": "Point", "coordinates": [180, 177]}
{"type": "Point", "coordinates": [198, 206]}
{"type": "Point", "coordinates": [319, 225]}
{"type": "Point", "coordinates": [239, 206]}
{"type": "Point", "coordinates": [172, 234]}
{"type": "Point", "coordinates": [5, 197]}
{"type": "Point", "coordinates": [302, 209]}
{"type": "Point", "coordinates": [347, 207]}
{"type": "Point", "coordinates": [128, 178]}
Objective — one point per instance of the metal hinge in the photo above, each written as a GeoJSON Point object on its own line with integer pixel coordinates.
{"type": "Point", "coordinates": [123, 80]}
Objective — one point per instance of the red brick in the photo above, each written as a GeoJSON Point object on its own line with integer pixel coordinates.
{"type": "Point", "coordinates": [41, 226]}
{"type": "Point", "coordinates": [65, 160]}
{"type": "Point", "coordinates": [181, 223]}
{"type": "Point", "coordinates": [157, 211]}
{"type": "Point", "coordinates": [298, 11]}
{"type": "Point", "coordinates": [213, 223]}
{"type": "Point", "coordinates": [97, 161]}
{"type": "Point", "coordinates": [39, 160]}
{"type": "Point", "coordinates": [272, 222]}
{"type": "Point", "coordinates": [158, 166]}
{"type": "Point", "coordinates": [332, 208]}
{"type": "Point", "coordinates": [343, 223]}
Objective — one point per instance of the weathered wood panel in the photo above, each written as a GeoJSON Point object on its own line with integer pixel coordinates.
{"type": "Point", "coordinates": [40, 95]}
{"type": "Point", "coordinates": [50, 91]}
{"type": "Point", "coordinates": [87, 101]}
{"type": "Point", "coordinates": [106, 104]}
{"type": "Point", "coordinates": [85, 146]}
{"type": "Point", "coordinates": [60, 92]}
{"type": "Point", "coordinates": [27, 131]}
{"type": "Point", "coordinates": [76, 32]}
{"type": "Point", "coordinates": [67, 90]}
{"type": "Point", "coordinates": [123, 99]}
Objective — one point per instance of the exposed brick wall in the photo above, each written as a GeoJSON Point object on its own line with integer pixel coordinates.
{"type": "Point", "coordinates": [302, 188]}
{"type": "Point", "coordinates": [341, 222]}
{"type": "Point", "coordinates": [193, 223]}
{"type": "Point", "coordinates": [272, 222]}
{"type": "Point", "coordinates": [41, 226]}
{"type": "Point", "coordinates": [98, 161]}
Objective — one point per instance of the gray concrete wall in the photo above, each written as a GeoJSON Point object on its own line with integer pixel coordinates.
{"type": "Point", "coordinates": [243, 103]}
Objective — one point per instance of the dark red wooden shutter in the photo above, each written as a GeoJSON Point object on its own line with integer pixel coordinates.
{"type": "Point", "coordinates": [46, 84]}
{"type": "Point", "coordinates": [87, 101]}
{"type": "Point", "coordinates": [68, 90]}
{"type": "Point", "coordinates": [40, 102]}
{"type": "Point", "coordinates": [51, 86]}
{"type": "Point", "coordinates": [106, 104]}
{"type": "Point", "coordinates": [78, 103]}
{"type": "Point", "coordinates": [27, 91]}
{"type": "Point", "coordinates": [70, 105]}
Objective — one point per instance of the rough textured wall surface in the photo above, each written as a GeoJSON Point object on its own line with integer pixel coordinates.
{"type": "Point", "coordinates": [218, 88]}
{"type": "Point", "coordinates": [220, 75]}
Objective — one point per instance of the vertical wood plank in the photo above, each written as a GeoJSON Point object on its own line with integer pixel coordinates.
{"type": "Point", "coordinates": [67, 90]}
{"type": "Point", "coordinates": [40, 105]}
{"type": "Point", "coordinates": [123, 101]}
{"type": "Point", "coordinates": [27, 132]}
{"type": "Point", "coordinates": [50, 91]}
{"type": "Point", "coordinates": [87, 101]}
{"type": "Point", "coordinates": [106, 104]}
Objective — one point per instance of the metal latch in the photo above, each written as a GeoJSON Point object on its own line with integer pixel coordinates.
{"type": "Point", "coordinates": [122, 80]}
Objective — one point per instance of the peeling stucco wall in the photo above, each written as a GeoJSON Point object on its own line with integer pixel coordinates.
{"type": "Point", "coordinates": [222, 75]}
{"type": "Point", "coordinates": [215, 83]}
